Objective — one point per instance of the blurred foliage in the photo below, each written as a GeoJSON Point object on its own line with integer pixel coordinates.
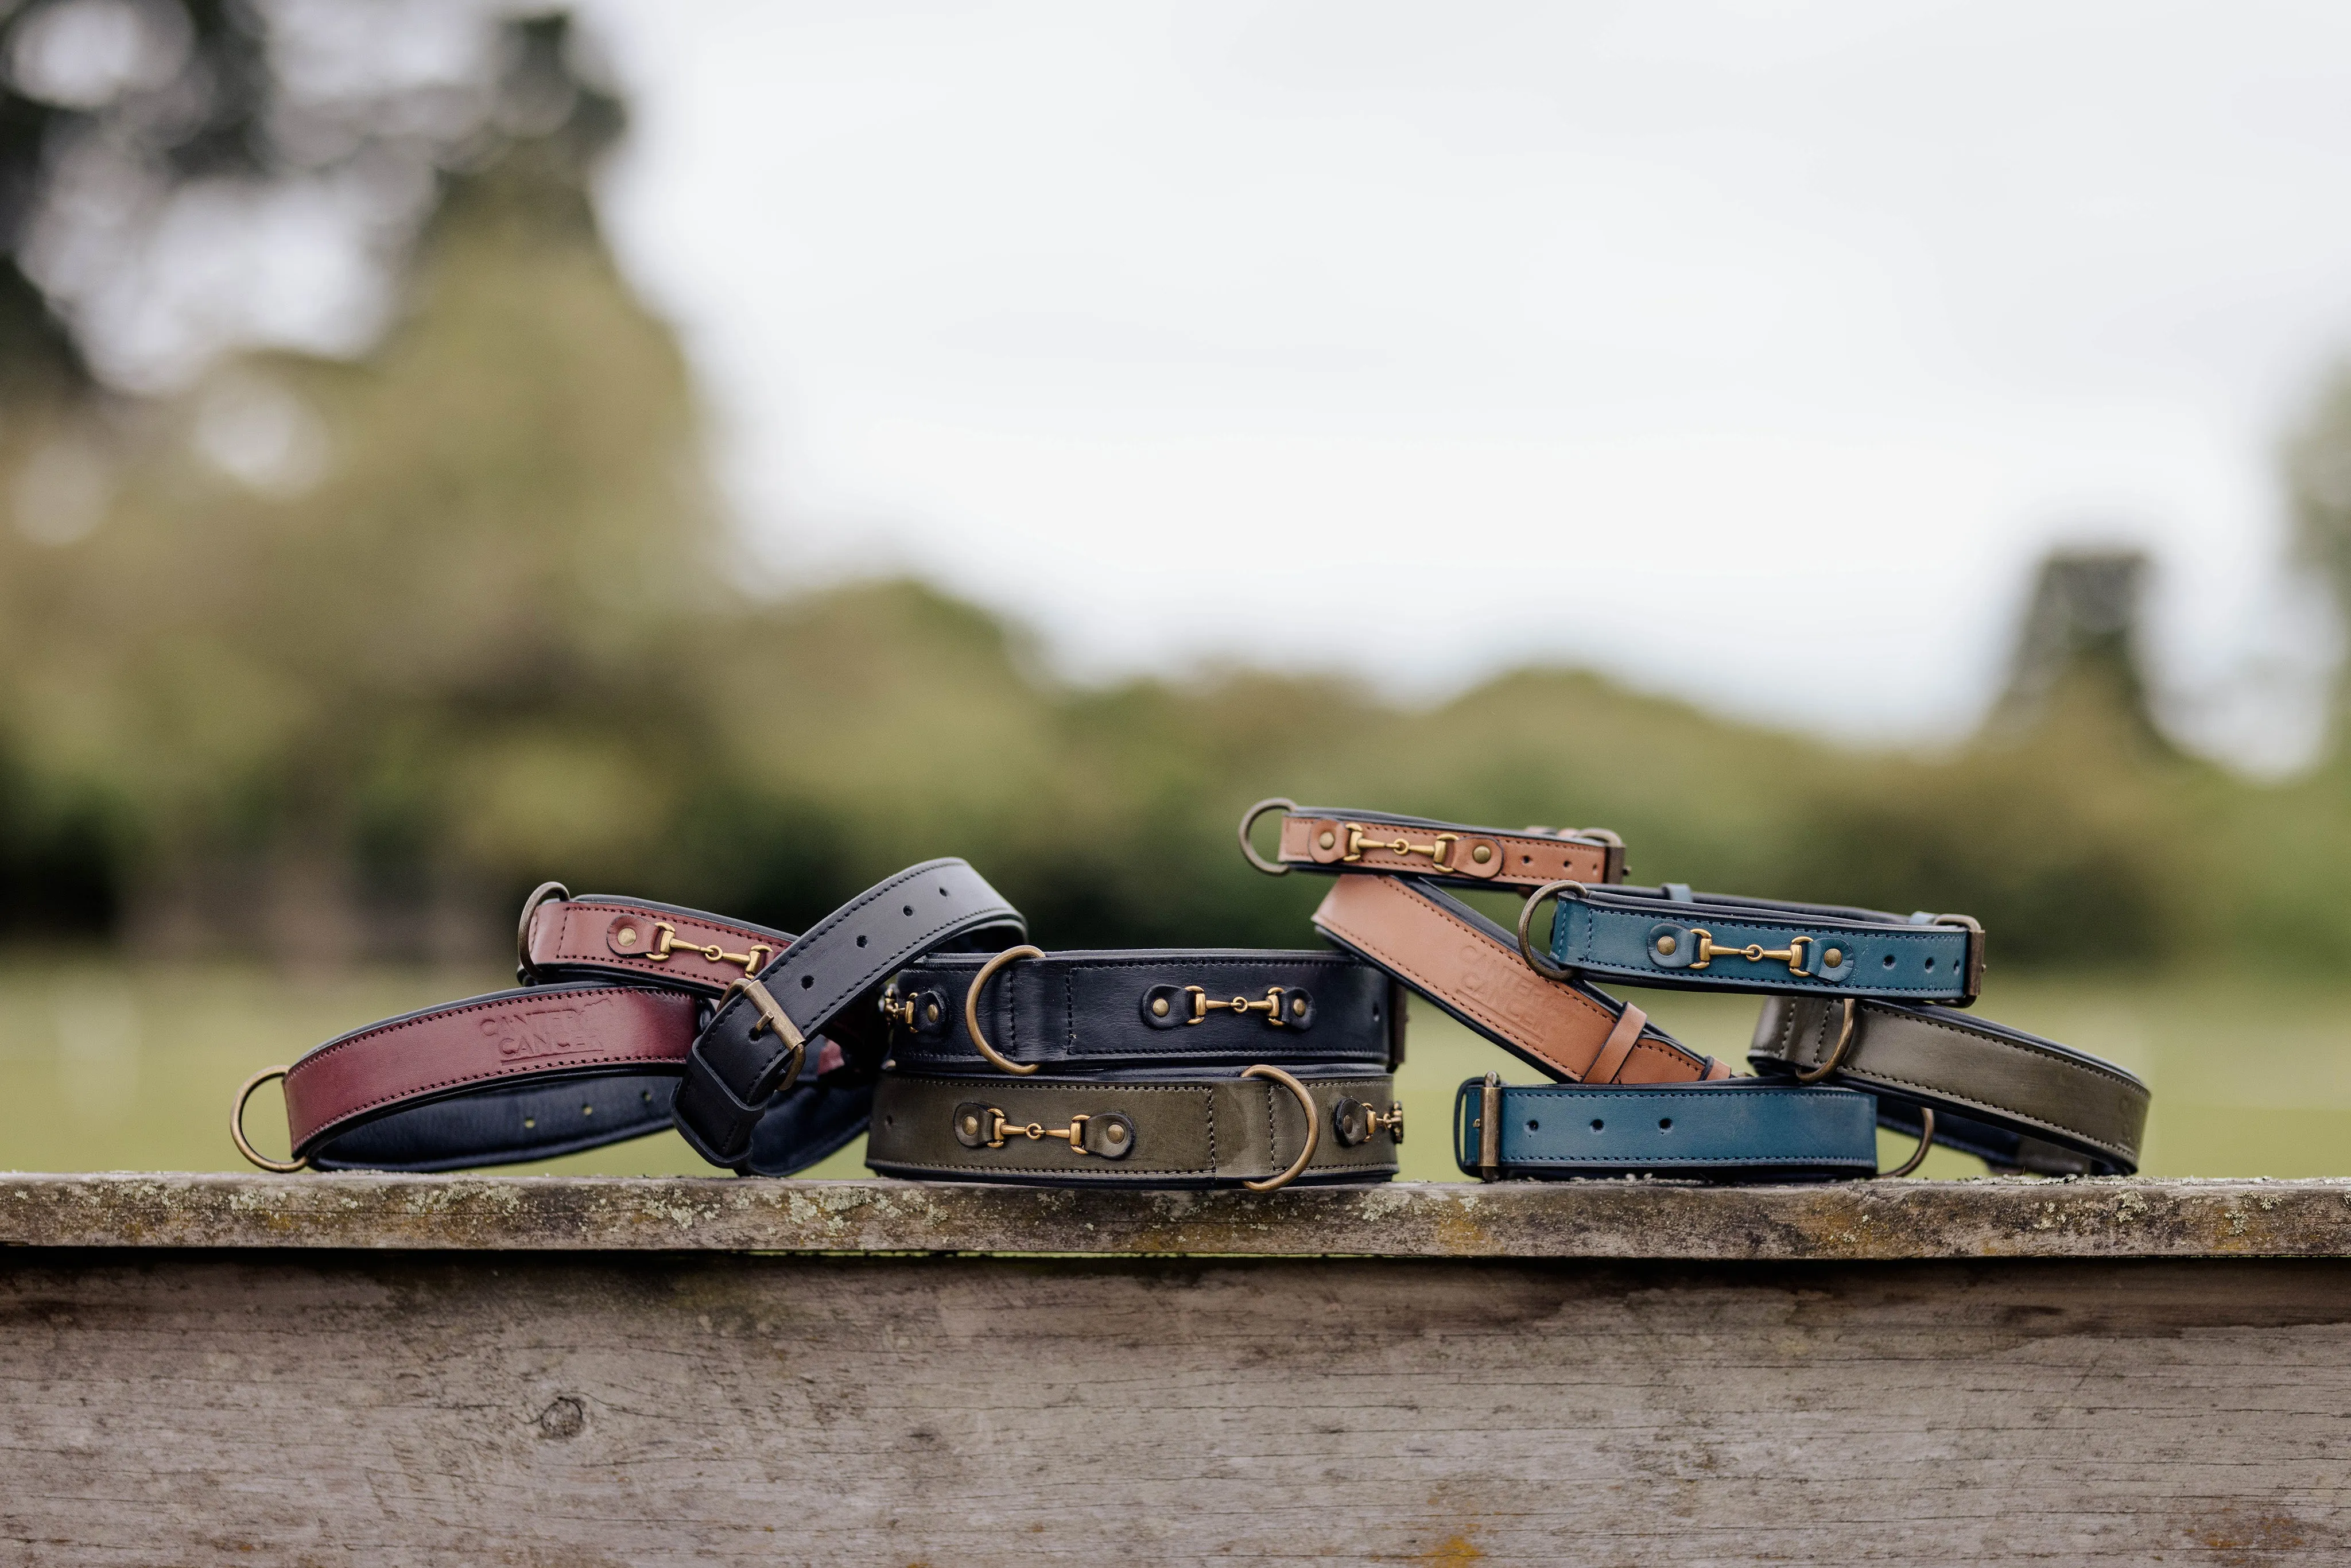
{"type": "Point", "coordinates": [341, 657]}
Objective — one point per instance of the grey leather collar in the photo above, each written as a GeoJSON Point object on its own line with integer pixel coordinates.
{"type": "Point", "coordinates": [2044, 1094]}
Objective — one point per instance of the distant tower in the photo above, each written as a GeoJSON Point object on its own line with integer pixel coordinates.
{"type": "Point", "coordinates": [2083, 621]}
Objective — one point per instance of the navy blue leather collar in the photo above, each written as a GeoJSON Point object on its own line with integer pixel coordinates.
{"type": "Point", "coordinates": [1144, 1011]}
{"type": "Point", "coordinates": [1736, 1131]}
{"type": "Point", "coordinates": [1670, 937]}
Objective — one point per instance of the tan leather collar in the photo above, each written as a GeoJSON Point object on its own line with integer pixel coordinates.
{"type": "Point", "coordinates": [1468, 965]}
{"type": "Point", "coordinates": [1319, 839]}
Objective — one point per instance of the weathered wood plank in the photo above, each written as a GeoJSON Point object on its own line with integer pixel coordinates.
{"type": "Point", "coordinates": [1851, 1220]}
{"type": "Point", "coordinates": [285, 1408]}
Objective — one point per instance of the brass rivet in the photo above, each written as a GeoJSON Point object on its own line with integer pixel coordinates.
{"type": "Point", "coordinates": [931, 1012]}
{"type": "Point", "coordinates": [1834, 956]}
{"type": "Point", "coordinates": [1666, 945]}
{"type": "Point", "coordinates": [626, 937]}
{"type": "Point", "coordinates": [531, 1121]}
{"type": "Point", "coordinates": [1159, 1006]}
{"type": "Point", "coordinates": [971, 1123]}
{"type": "Point", "coordinates": [1327, 839]}
{"type": "Point", "coordinates": [1114, 1134]}
{"type": "Point", "coordinates": [1482, 853]}
{"type": "Point", "coordinates": [587, 1110]}
{"type": "Point", "coordinates": [1298, 1007]}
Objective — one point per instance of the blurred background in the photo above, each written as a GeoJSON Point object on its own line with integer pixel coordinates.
{"type": "Point", "coordinates": [1891, 454]}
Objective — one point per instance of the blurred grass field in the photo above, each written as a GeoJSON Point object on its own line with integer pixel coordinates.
{"type": "Point", "coordinates": [107, 1068]}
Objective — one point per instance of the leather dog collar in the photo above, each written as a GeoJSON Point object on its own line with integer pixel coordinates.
{"type": "Point", "coordinates": [1321, 838]}
{"type": "Point", "coordinates": [591, 1058]}
{"type": "Point", "coordinates": [1250, 1130]}
{"type": "Point", "coordinates": [515, 1075]}
{"type": "Point", "coordinates": [1716, 1132]}
{"type": "Point", "coordinates": [601, 936]}
{"type": "Point", "coordinates": [1173, 1011]}
{"type": "Point", "coordinates": [1471, 966]}
{"type": "Point", "coordinates": [2045, 1106]}
{"type": "Point", "coordinates": [587, 1054]}
{"type": "Point", "coordinates": [754, 1045]}
{"type": "Point", "coordinates": [1671, 937]}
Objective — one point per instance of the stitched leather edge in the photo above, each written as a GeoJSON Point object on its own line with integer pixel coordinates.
{"type": "Point", "coordinates": [1673, 1053]}
{"type": "Point", "coordinates": [1853, 1070]}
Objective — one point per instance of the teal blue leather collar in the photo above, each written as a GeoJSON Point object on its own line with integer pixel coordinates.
{"type": "Point", "coordinates": [1671, 937]}
{"type": "Point", "coordinates": [1735, 1131]}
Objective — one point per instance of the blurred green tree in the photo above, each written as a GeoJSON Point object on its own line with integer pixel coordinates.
{"type": "Point", "coordinates": [321, 656]}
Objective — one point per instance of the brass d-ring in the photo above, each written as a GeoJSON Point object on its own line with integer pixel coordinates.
{"type": "Point", "coordinates": [1248, 821]}
{"type": "Point", "coordinates": [236, 1125]}
{"type": "Point", "coordinates": [1845, 1042]}
{"type": "Point", "coordinates": [1313, 1127]}
{"type": "Point", "coordinates": [1925, 1142]}
{"type": "Point", "coordinates": [526, 972]}
{"type": "Point", "coordinates": [1526, 949]}
{"type": "Point", "coordinates": [971, 1008]}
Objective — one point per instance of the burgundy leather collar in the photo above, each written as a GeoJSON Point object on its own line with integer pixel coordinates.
{"type": "Point", "coordinates": [634, 939]}
{"type": "Point", "coordinates": [587, 1053]}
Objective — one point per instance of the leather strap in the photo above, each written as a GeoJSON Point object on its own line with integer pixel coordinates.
{"type": "Point", "coordinates": [1471, 966]}
{"type": "Point", "coordinates": [515, 1075]}
{"type": "Point", "coordinates": [1321, 837]}
{"type": "Point", "coordinates": [601, 936]}
{"type": "Point", "coordinates": [1195, 1131]}
{"type": "Point", "coordinates": [1741, 1130]}
{"type": "Point", "coordinates": [575, 1060]}
{"type": "Point", "coordinates": [753, 1047]}
{"type": "Point", "coordinates": [1173, 1011]}
{"type": "Point", "coordinates": [1986, 1073]}
{"type": "Point", "coordinates": [1672, 939]}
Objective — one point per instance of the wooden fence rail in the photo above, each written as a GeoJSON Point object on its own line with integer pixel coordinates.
{"type": "Point", "coordinates": [442, 1370]}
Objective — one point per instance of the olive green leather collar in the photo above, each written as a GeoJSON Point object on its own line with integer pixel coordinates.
{"type": "Point", "coordinates": [2045, 1093]}
{"type": "Point", "coordinates": [1129, 1131]}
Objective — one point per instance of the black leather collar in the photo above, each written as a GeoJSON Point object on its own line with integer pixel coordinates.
{"type": "Point", "coordinates": [1140, 1012]}
{"type": "Point", "coordinates": [740, 1103]}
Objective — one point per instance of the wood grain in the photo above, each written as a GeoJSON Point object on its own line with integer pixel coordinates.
{"type": "Point", "coordinates": [1839, 1221]}
{"type": "Point", "coordinates": [289, 1407]}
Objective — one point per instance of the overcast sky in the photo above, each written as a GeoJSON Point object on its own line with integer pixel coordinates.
{"type": "Point", "coordinates": [1754, 353]}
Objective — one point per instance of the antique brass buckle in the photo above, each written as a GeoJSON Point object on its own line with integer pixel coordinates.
{"type": "Point", "coordinates": [1439, 853]}
{"type": "Point", "coordinates": [1202, 1005]}
{"type": "Point", "coordinates": [665, 943]}
{"type": "Point", "coordinates": [1709, 950]}
{"type": "Point", "coordinates": [771, 1016]}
